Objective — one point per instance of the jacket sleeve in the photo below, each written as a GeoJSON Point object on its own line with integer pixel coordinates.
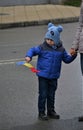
{"type": "Point", "coordinates": [75, 43]}
{"type": "Point", "coordinates": [67, 58]}
{"type": "Point", "coordinates": [33, 51]}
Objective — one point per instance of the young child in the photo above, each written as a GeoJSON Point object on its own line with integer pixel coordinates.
{"type": "Point", "coordinates": [50, 53]}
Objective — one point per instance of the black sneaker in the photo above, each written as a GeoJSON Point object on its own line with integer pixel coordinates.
{"type": "Point", "coordinates": [53, 115]}
{"type": "Point", "coordinates": [42, 116]}
{"type": "Point", "coordinates": [80, 119]}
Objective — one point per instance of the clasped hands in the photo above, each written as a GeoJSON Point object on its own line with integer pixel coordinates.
{"type": "Point", "coordinates": [73, 51]}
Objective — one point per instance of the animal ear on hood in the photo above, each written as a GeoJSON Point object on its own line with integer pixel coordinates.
{"type": "Point", "coordinates": [50, 25]}
{"type": "Point", "coordinates": [60, 28]}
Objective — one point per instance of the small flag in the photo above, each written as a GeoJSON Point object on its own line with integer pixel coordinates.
{"type": "Point", "coordinates": [30, 66]}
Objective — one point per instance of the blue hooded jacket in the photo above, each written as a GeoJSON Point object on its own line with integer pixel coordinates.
{"type": "Point", "coordinates": [49, 59]}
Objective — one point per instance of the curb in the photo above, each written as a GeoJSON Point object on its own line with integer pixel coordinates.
{"type": "Point", "coordinates": [36, 23]}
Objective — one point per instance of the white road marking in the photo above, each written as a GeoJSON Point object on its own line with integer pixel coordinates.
{"type": "Point", "coordinates": [12, 61]}
{"type": "Point", "coordinates": [8, 45]}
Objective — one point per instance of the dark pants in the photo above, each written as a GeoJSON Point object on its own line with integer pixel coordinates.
{"type": "Point", "coordinates": [81, 62]}
{"type": "Point", "coordinates": [47, 88]}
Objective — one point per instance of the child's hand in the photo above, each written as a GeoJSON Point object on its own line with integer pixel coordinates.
{"type": "Point", "coordinates": [28, 59]}
{"type": "Point", "coordinates": [73, 51]}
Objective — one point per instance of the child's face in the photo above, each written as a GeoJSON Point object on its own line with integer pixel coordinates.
{"type": "Point", "coordinates": [50, 42]}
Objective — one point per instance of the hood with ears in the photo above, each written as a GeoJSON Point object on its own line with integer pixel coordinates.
{"type": "Point", "coordinates": [53, 33]}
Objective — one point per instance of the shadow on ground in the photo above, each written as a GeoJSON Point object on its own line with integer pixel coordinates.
{"type": "Point", "coordinates": [70, 124]}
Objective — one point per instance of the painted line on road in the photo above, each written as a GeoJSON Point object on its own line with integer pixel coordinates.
{"type": "Point", "coordinates": [9, 45]}
{"type": "Point", "coordinates": [6, 63]}
{"type": "Point", "coordinates": [12, 61]}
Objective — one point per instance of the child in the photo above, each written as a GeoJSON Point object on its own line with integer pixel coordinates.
{"type": "Point", "coordinates": [50, 53]}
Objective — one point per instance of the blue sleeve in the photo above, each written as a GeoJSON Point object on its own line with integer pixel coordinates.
{"type": "Point", "coordinates": [67, 58]}
{"type": "Point", "coordinates": [33, 51]}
